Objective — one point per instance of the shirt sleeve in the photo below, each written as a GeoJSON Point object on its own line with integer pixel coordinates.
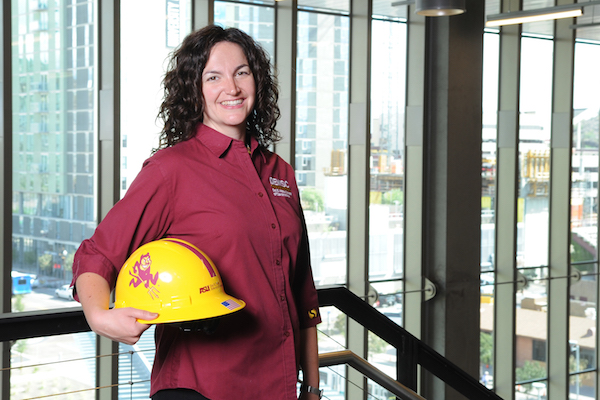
{"type": "Point", "coordinates": [306, 293]}
{"type": "Point", "coordinates": [143, 215]}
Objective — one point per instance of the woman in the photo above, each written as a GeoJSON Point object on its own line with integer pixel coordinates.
{"type": "Point", "coordinates": [213, 183]}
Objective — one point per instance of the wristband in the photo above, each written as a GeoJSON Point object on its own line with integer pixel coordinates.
{"type": "Point", "coordinates": [309, 389]}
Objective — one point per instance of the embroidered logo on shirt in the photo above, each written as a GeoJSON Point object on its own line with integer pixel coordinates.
{"type": "Point", "coordinates": [313, 313]}
{"type": "Point", "coordinates": [280, 187]}
{"type": "Point", "coordinates": [143, 274]}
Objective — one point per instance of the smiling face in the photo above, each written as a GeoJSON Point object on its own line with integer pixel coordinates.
{"type": "Point", "coordinates": [228, 90]}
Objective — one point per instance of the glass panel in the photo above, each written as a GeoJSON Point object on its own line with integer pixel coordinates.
{"type": "Point", "coordinates": [258, 22]}
{"type": "Point", "coordinates": [491, 55]}
{"type": "Point", "coordinates": [486, 351]}
{"type": "Point", "coordinates": [141, 91]}
{"type": "Point", "coordinates": [388, 91]}
{"type": "Point", "coordinates": [333, 382]}
{"type": "Point", "coordinates": [332, 337]}
{"type": "Point", "coordinates": [534, 152]}
{"type": "Point", "coordinates": [492, 7]}
{"type": "Point", "coordinates": [322, 139]}
{"type": "Point", "coordinates": [583, 386]}
{"type": "Point", "coordinates": [584, 221]}
{"type": "Point", "coordinates": [582, 337]}
{"type": "Point", "coordinates": [54, 365]}
{"type": "Point", "coordinates": [135, 366]}
{"type": "Point", "coordinates": [590, 29]}
{"type": "Point", "coordinates": [532, 325]}
{"type": "Point", "coordinates": [531, 391]}
{"type": "Point", "coordinates": [386, 9]}
{"type": "Point", "coordinates": [377, 392]}
{"type": "Point", "coordinates": [532, 206]}
{"type": "Point", "coordinates": [332, 331]}
{"type": "Point", "coordinates": [542, 27]}
{"type": "Point", "coordinates": [54, 143]}
{"type": "Point", "coordinates": [584, 168]}
{"type": "Point", "coordinates": [325, 5]}
{"type": "Point", "coordinates": [390, 299]}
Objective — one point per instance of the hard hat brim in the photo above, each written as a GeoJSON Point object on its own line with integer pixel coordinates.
{"type": "Point", "coordinates": [217, 306]}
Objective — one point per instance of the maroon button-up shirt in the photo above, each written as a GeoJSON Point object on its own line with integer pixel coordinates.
{"type": "Point", "coordinates": [244, 212]}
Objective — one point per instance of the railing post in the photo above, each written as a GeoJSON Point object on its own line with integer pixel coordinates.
{"type": "Point", "coordinates": [406, 363]}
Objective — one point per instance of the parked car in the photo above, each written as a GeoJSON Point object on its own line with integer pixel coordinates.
{"type": "Point", "coordinates": [64, 292]}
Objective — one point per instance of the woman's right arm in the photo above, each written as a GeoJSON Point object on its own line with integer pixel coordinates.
{"type": "Point", "coordinates": [118, 324]}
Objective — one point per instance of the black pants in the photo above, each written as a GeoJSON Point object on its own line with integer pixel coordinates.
{"type": "Point", "coordinates": [178, 394]}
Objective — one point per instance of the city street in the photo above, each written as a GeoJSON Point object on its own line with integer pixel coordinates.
{"type": "Point", "coordinates": [43, 299]}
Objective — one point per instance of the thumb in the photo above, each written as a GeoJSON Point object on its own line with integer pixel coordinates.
{"type": "Point", "coordinates": [143, 314]}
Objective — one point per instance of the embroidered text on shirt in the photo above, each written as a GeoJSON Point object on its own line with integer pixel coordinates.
{"type": "Point", "coordinates": [280, 187]}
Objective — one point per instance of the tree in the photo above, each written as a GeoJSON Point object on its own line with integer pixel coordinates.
{"type": "Point", "coordinates": [394, 196]}
{"type": "Point", "coordinates": [530, 371]}
{"type": "Point", "coordinates": [486, 348]}
{"type": "Point", "coordinates": [376, 344]}
{"type": "Point", "coordinates": [312, 199]}
{"type": "Point", "coordinates": [45, 261]}
{"type": "Point", "coordinates": [69, 261]}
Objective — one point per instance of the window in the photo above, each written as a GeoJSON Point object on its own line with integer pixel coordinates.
{"type": "Point", "coordinates": [46, 226]}
{"type": "Point", "coordinates": [533, 201]}
{"type": "Point", "coordinates": [141, 91]}
{"type": "Point", "coordinates": [583, 305]}
{"type": "Point", "coordinates": [39, 251]}
{"type": "Point", "coordinates": [324, 191]}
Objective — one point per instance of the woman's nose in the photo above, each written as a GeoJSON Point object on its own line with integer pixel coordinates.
{"type": "Point", "coordinates": [232, 87]}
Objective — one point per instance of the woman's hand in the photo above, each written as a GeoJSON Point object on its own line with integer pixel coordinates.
{"type": "Point", "coordinates": [118, 324]}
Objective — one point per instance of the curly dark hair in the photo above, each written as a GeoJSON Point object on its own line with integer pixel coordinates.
{"type": "Point", "coordinates": [182, 108]}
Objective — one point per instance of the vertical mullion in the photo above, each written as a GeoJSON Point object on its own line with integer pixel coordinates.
{"type": "Point", "coordinates": [506, 212]}
{"type": "Point", "coordinates": [203, 13]}
{"type": "Point", "coordinates": [109, 162]}
{"type": "Point", "coordinates": [358, 175]}
{"type": "Point", "coordinates": [413, 175]}
{"type": "Point", "coordinates": [286, 29]}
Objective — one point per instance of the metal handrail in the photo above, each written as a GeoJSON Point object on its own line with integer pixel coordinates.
{"type": "Point", "coordinates": [31, 324]}
{"type": "Point", "coordinates": [411, 352]}
{"type": "Point", "coordinates": [368, 370]}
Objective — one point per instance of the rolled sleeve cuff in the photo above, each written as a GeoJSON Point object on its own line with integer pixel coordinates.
{"type": "Point", "coordinates": [95, 263]}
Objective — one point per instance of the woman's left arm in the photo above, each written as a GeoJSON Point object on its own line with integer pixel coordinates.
{"type": "Point", "coordinates": [309, 361]}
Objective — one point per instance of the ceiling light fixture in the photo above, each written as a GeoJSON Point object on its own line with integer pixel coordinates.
{"type": "Point", "coordinates": [435, 8]}
{"type": "Point", "coordinates": [439, 8]}
{"type": "Point", "coordinates": [541, 14]}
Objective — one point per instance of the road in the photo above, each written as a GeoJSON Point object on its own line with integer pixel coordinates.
{"type": "Point", "coordinates": [43, 299]}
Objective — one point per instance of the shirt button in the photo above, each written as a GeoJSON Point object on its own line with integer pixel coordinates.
{"type": "Point", "coordinates": [282, 297]}
{"type": "Point", "coordinates": [260, 194]}
{"type": "Point", "coordinates": [286, 333]}
{"type": "Point", "coordinates": [278, 262]}
{"type": "Point", "coordinates": [273, 226]}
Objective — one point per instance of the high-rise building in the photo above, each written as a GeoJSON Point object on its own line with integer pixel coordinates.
{"type": "Point", "coordinates": [53, 132]}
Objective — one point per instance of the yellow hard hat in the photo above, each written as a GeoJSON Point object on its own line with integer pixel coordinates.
{"type": "Point", "coordinates": [175, 279]}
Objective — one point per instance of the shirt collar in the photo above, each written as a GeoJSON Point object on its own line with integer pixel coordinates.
{"type": "Point", "coordinates": [218, 143]}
